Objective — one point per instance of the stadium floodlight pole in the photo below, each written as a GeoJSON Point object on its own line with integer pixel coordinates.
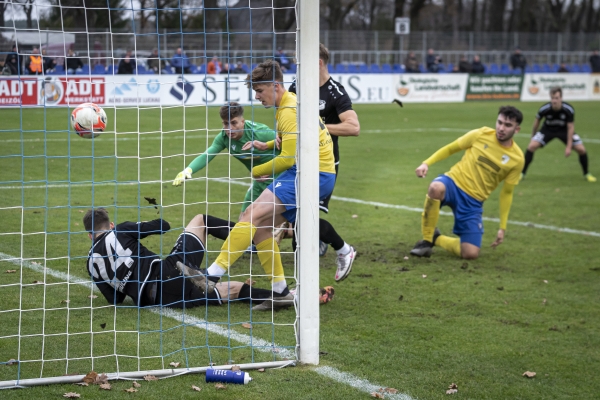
{"type": "Point", "coordinates": [307, 82]}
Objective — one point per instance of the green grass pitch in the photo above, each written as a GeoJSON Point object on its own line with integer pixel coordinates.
{"type": "Point", "coordinates": [416, 325]}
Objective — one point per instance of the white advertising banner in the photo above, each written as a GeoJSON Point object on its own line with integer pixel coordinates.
{"type": "Point", "coordinates": [536, 87]}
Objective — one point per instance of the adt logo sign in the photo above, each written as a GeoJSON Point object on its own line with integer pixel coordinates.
{"type": "Point", "coordinates": [153, 86]}
{"type": "Point", "coordinates": [182, 89]}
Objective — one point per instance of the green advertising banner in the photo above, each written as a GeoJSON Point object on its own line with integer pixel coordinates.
{"type": "Point", "coordinates": [494, 87]}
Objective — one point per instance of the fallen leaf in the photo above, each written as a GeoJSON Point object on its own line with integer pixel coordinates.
{"type": "Point", "coordinates": [37, 282]}
{"type": "Point", "coordinates": [81, 211]}
{"type": "Point", "coordinates": [220, 386]}
{"type": "Point", "coordinates": [451, 391]}
{"type": "Point", "coordinates": [151, 200]}
{"type": "Point", "coordinates": [236, 368]}
{"type": "Point", "coordinates": [529, 374]}
{"type": "Point", "coordinates": [11, 271]}
{"type": "Point", "coordinates": [500, 288]}
{"type": "Point", "coordinates": [90, 377]}
{"type": "Point", "coordinates": [76, 223]}
{"type": "Point", "coordinates": [354, 216]}
{"type": "Point", "coordinates": [247, 325]}
{"type": "Point", "coordinates": [105, 386]}
{"type": "Point", "coordinates": [82, 384]}
{"type": "Point", "coordinates": [196, 388]}
{"type": "Point", "coordinates": [92, 296]}
{"type": "Point", "coordinates": [544, 302]}
{"type": "Point", "coordinates": [553, 328]}
{"type": "Point", "coordinates": [401, 297]}
{"type": "Point", "coordinates": [250, 282]}
{"type": "Point", "coordinates": [103, 325]}
{"type": "Point", "coordinates": [261, 370]}
{"type": "Point", "coordinates": [175, 364]}
{"type": "Point", "coordinates": [130, 390]}
{"type": "Point", "coordinates": [377, 395]}
{"type": "Point", "coordinates": [12, 361]}
{"type": "Point", "coordinates": [135, 384]}
{"type": "Point", "coordinates": [150, 378]}
{"type": "Point", "coordinates": [72, 395]}
{"type": "Point", "coordinates": [406, 258]}
{"type": "Point", "coordinates": [390, 390]}
{"type": "Point", "coordinates": [101, 379]}
{"type": "Point", "coordinates": [424, 276]}
{"type": "Point", "coordinates": [545, 281]}
{"type": "Point", "coordinates": [453, 386]}
{"type": "Point", "coordinates": [65, 301]}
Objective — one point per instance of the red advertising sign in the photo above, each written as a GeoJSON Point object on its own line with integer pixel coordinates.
{"type": "Point", "coordinates": [71, 91]}
{"type": "Point", "coordinates": [18, 92]}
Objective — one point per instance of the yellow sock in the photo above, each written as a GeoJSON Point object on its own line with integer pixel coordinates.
{"type": "Point", "coordinates": [270, 259]}
{"type": "Point", "coordinates": [450, 244]}
{"type": "Point", "coordinates": [236, 244]}
{"type": "Point", "coordinates": [429, 217]}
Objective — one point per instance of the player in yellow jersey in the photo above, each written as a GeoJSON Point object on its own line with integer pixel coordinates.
{"type": "Point", "coordinates": [277, 203]}
{"type": "Point", "coordinates": [491, 156]}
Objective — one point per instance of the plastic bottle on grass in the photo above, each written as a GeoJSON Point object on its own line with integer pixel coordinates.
{"type": "Point", "coordinates": [227, 376]}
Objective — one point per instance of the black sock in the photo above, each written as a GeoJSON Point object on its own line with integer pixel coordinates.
{"type": "Point", "coordinates": [257, 294]}
{"type": "Point", "coordinates": [528, 160]}
{"type": "Point", "coordinates": [218, 227]}
{"type": "Point", "coordinates": [583, 160]}
{"type": "Point", "coordinates": [327, 234]}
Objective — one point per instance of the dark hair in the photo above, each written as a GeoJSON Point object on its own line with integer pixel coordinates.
{"type": "Point", "coordinates": [323, 53]}
{"type": "Point", "coordinates": [96, 220]}
{"type": "Point", "coordinates": [556, 89]}
{"type": "Point", "coordinates": [265, 72]}
{"type": "Point", "coordinates": [511, 112]}
{"type": "Point", "coordinates": [231, 110]}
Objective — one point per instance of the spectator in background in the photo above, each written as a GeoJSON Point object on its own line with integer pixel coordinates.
{"type": "Point", "coordinates": [214, 66]}
{"type": "Point", "coordinates": [433, 62]}
{"type": "Point", "coordinates": [13, 61]}
{"type": "Point", "coordinates": [126, 65]}
{"type": "Point", "coordinates": [49, 62]}
{"type": "Point", "coordinates": [73, 63]}
{"type": "Point", "coordinates": [155, 63]}
{"type": "Point", "coordinates": [34, 62]}
{"type": "Point", "coordinates": [410, 64]}
{"type": "Point", "coordinates": [239, 69]}
{"type": "Point", "coordinates": [284, 61]}
{"type": "Point", "coordinates": [595, 61]}
{"type": "Point", "coordinates": [517, 60]}
{"type": "Point", "coordinates": [563, 68]}
{"type": "Point", "coordinates": [180, 62]}
{"type": "Point", "coordinates": [476, 66]}
{"type": "Point", "coordinates": [464, 65]}
{"type": "Point", "coordinates": [225, 69]}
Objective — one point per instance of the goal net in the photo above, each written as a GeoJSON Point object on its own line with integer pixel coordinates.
{"type": "Point", "coordinates": [151, 67]}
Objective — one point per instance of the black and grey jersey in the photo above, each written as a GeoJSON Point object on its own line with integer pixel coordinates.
{"type": "Point", "coordinates": [556, 121]}
{"type": "Point", "coordinates": [120, 265]}
{"type": "Point", "coordinates": [333, 100]}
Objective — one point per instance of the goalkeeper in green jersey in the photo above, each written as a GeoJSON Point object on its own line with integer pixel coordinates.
{"type": "Point", "coordinates": [247, 141]}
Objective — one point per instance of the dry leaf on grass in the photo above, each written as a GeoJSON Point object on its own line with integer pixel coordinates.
{"type": "Point", "coordinates": [130, 390]}
{"type": "Point", "coordinates": [220, 386]}
{"type": "Point", "coordinates": [544, 302]}
{"type": "Point", "coordinates": [72, 395]}
{"type": "Point", "coordinates": [92, 296]}
{"type": "Point", "coordinates": [150, 378]}
{"type": "Point", "coordinates": [545, 281]}
{"type": "Point", "coordinates": [250, 282]}
{"type": "Point", "coordinates": [406, 257]}
{"type": "Point", "coordinates": [236, 368]}
{"type": "Point", "coordinates": [453, 386]}
{"type": "Point", "coordinates": [103, 325]}
{"type": "Point", "coordinates": [377, 395]}
{"type": "Point", "coordinates": [11, 271]}
{"type": "Point", "coordinates": [65, 301]}
{"type": "Point", "coordinates": [247, 325]}
{"type": "Point", "coordinates": [390, 390]}
{"type": "Point", "coordinates": [101, 379]}
{"type": "Point", "coordinates": [529, 374]}
{"type": "Point", "coordinates": [135, 384]}
{"type": "Point", "coordinates": [90, 377]}
{"type": "Point", "coordinates": [175, 364]}
{"type": "Point", "coordinates": [424, 276]}
{"type": "Point", "coordinates": [451, 391]}
{"type": "Point", "coordinates": [82, 384]}
{"type": "Point", "coordinates": [12, 361]}
{"type": "Point", "coordinates": [37, 282]}
{"type": "Point", "coordinates": [105, 386]}
{"type": "Point", "coordinates": [261, 370]}
{"type": "Point", "coordinates": [196, 388]}
{"type": "Point", "coordinates": [354, 216]}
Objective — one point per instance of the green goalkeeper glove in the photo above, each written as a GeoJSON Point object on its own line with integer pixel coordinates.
{"type": "Point", "coordinates": [182, 176]}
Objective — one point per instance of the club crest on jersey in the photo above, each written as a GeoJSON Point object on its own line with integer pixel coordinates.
{"type": "Point", "coordinates": [562, 116]}
{"type": "Point", "coordinates": [233, 146]}
{"type": "Point", "coordinates": [485, 146]}
{"type": "Point", "coordinates": [505, 159]}
{"type": "Point", "coordinates": [321, 104]}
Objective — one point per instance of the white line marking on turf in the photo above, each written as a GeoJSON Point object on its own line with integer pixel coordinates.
{"type": "Point", "coordinates": [345, 199]}
{"type": "Point", "coordinates": [142, 137]}
{"type": "Point", "coordinates": [179, 316]}
{"type": "Point", "coordinates": [357, 383]}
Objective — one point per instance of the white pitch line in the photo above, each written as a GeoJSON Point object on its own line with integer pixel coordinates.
{"type": "Point", "coordinates": [344, 199]}
{"type": "Point", "coordinates": [259, 344]}
{"type": "Point", "coordinates": [358, 383]}
{"type": "Point", "coordinates": [111, 139]}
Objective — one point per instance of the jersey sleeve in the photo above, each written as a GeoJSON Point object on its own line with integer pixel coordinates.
{"type": "Point", "coordinates": [514, 176]}
{"type": "Point", "coordinates": [203, 159]}
{"type": "Point", "coordinates": [541, 112]}
{"type": "Point", "coordinates": [467, 140]}
{"type": "Point", "coordinates": [263, 133]}
{"type": "Point", "coordinates": [141, 230]}
{"type": "Point", "coordinates": [287, 127]}
{"type": "Point", "coordinates": [110, 294]}
{"type": "Point", "coordinates": [343, 103]}
{"type": "Point", "coordinates": [571, 114]}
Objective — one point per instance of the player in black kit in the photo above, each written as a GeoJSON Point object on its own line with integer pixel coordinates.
{"type": "Point", "coordinates": [335, 108]}
{"type": "Point", "coordinates": [559, 122]}
{"type": "Point", "coordinates": [121, 266]}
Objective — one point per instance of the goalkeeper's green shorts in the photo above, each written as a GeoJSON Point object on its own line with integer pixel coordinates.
{"type": "Point", "coordinates": [254, 191]}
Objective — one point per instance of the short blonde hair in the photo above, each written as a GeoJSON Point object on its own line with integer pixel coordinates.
{"type": "Point", "coordinates": [265, 72]}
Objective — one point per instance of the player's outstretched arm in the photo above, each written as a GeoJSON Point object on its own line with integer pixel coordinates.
{"type": "Point", "coordinates": [348, 126]}
{"type": "Point", "coordinates": [182, 176]}
{"type": "Point", "coordinates": [421, 170]}
{"type": "Point", "coordinates": [201, 161]}
{"type": "Point", "coordinates": [506, 198]}
{"type": "Point", "coordinates": [439, 155]}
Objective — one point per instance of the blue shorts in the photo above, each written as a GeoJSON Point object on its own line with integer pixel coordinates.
{"type": "Point", "coordinates": [468, 212]}
{"type": "Point", "coordinates": [284, 187]}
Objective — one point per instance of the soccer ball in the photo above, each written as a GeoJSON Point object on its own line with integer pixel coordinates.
{"type": "Point", "coordinates": [88, 120]}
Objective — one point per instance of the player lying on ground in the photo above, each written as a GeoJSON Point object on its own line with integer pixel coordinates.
{"type": "Point", "coordinates": [237, 136]}
{"type": "Point", "coordinates": [491, 156]}
{"type": "Point", "coordinates": [121, 266]}
{"type": "Point", "coordinates": [559, 122]}
{"type": "Point", "coordinates": [277, 203]}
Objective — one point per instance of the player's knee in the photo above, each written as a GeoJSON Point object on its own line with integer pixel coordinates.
{"type": "Point", "coordinates": [533, 146]}
{"type": "Point", "coordinates": [469, 254]}
{"type": "Point", "coordinates": [580, 149]}
{"type": "Point", "coordinates": [436, 190]}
